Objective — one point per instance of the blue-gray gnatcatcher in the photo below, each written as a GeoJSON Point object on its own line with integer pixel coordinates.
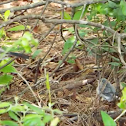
{"type": "Point", "coordinates": [20, 55]}
{"type": "Point", "coordinates": [106, 90]}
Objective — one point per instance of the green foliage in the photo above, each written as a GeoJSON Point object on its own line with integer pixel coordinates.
{"type": "Point", "coordinates": [107, 120]}
{"type": "Point", "coordinates": [111, 14]}
{"type": "Point", "coordinates": [22, 114]}
{"type": "Point", "coordinates": [36, 53]}
{"type": "Point", "coordinates": [54, 122]}
{"type": "Point", "coordinates": [8, 123]}
{"type": "Point", "coordinates": [48, 87]}
{"type": "Point", "coordinates": [22, 44]}
{"type": "Point", "coordinates": [79, 13]}
{"type": "Point", "coordinates": [8, 69]}
{"type": "Point", "coordinates": [67, 16]}
{"type": "Point", "coordinates": [17, 28]}
{"type": "Point", "coordinates": [5, 79]}
{"type": "Point", "coordinates": [71, 59]}
{"type": "Point", "coordinates": [28, 115]}
{"type": "Point", "coordinates": [115, 64]}
{"type": "Point", "coordinates": [122, 103]}
{"type": "Point", "coordinates": [123, 6]}
{"type": "Point", "coordinates": [2, 33]}
{"type": "Point", "coordinates": [26, 41]}
{"type": "Point", "coordinates": [6, 15]}
{"type": "Point", "coordinates": [68, 44]}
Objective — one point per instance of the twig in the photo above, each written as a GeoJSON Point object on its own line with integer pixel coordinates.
{"type": "Point", "coordinates": [41, 15]}
{"type": "Point", "coordinates": [47, 33]}
{"type": "Point", "coordinates": [42, 80]}
{"type": "Point", "coordinates": [29, 88]}
{"type": "Point", "coordinates": [123, 112]}
{"type": "Point", "coordinates": [41, 60]}
{"type": "Point", "coordinates": [5, 2]}
{"type": "Point", "coordinates": [29, 6]}
{"type": "Point", "coordinates": [13, 9]}
{"type": "Point", "coordinates": [61, 21]}
{"type": "Point", "coordinates": [61, 26]}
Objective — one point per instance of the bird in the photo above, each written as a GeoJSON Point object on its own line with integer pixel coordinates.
{"type": "Point", "coordinates": [20, 55]}
{"type": "Point", "coordinates": [106, 90]}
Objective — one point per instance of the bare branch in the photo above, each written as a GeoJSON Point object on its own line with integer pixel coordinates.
{"type": "Point", "coordinates": [13, 9]}
{"type": "Point", "coordinates": [5, 2]}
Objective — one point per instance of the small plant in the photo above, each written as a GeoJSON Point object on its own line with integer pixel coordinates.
{"type": "Point", "coordinates": [22, 44]}
{"type": "Point", "coordinates": [28, 115]}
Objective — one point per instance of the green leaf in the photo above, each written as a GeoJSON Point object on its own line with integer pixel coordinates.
{"type": "Point", "coordinates": [112, 4]}
{"type": "Point", "coordinates": [57, 111]}
{"type": "Point", "coordinates": [124, 94]}
{"type": "Point", "coordinates": [54, 122]}
{"type": "Point", "coordinates": [13, 116]}
{"type": "Point", "coordinates": [25, 42]}
{"type": "Point", "coordinates": [122, 105]}
{"type": "Point", "coordinates": [71, 61]}
{"type": "Point", "coordinates": [123, 6]}
{"type": "Point", "coordinates": [68, 44]}
{"type": "Point", "coordinates": [28, 36]}
{"type": "Point", "coordinates": [27, 49]}
{"type": "Point", "coordinates": [4, 104]}
{"type": "Point", "coordinates": [82, 33]}
{"type": "Point", "coordinates": [79, 11]}
{"type": "Point", "coordinates": [2, 33]}
{"type": "Point", "coordinates": [36, 53]}
{"type": "Point", "coordinates": [98, 7]}
{"type": "Point", "coordinates": [34, 108]}
{"type": "Point", "coordinates": [115, 64]}
{"type": "Point", "coordinates": [108, 49]}
{"type": "Point", "coordinates": [47, 118]}
{"type": "Point", "coordinates": [77, 15]}
{"type": "Point", "coordinates": [3, 111]}
{"type": "Point", "coordinates": [3, 62]}
{"type": "Point", "coordinates": [47, 82]}
{"type": "Point", "coordinates": [31, 116]}
{"type": "Point", "coordinates": [32, 120]}
{"type": "Point", "coordinates": [114, 58]}
{"type": "Point", "coordinates": [118, 14]}
{"type": "Point", "coordinates": [8, 123]}
{"type": "Point", "coordinates": [8, 69]}
{"type": "Point", "coordinates": [34, 42]}
{"type": "Point", "coordinates": [18, 108]}
{"type": "Point", "coordinates": [67, 16]}
{"type": "Point", "coordinates": [17, 28]}
{"type": "Point", "coordinates": [5, 79]}
{"type": "Point", "coordinates": [107, 120]}
{"type": "Point", "coordinates": [6, 15]}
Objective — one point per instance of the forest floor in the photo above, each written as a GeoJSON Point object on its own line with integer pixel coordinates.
{"type": "Point", "coordinates": [73, 85]}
